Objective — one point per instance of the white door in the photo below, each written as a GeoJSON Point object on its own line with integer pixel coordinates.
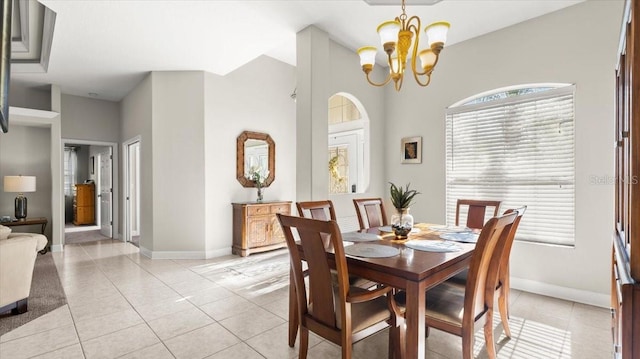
{"type": "Point", "coordinates": [348, 144]}
{"type": "Point", "coordinates": [131, 177]}
{"type": "Point", "coordinates": [106, 194]}
{"type": "Point", "coordinates": [134, 188]}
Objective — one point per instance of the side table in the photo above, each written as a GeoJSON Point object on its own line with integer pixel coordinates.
{"type": "Point", "coordinates": [31, 221]}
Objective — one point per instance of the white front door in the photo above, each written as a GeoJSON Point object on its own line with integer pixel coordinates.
{"type": "Point", "coordinates": [106, 193]}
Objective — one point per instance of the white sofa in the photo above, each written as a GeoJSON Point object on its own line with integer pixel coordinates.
{"type": "Point", "coordinates": [17, 259]}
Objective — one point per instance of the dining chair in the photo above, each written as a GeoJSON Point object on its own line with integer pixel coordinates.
{"type": "Point", "coordinates": [322, 210]}
{"type": "Point", "coordinates": [503, 284]}
{"type": "Point", "coordinates": [338, 312]}
{"type": "Point", "coordinates": [456, 308]}
{"type": "Point", "coordinates": [370, 212]}
{"type": "Point", "coordinates": [476, 211]}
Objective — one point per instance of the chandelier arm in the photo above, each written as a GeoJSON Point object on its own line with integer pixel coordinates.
{"type": "Point", "coordinates": [420, 82]}
{"type": "Point", "coordinates": [398, 84]}
{"type": "Point", "coordinates": [386, 81]}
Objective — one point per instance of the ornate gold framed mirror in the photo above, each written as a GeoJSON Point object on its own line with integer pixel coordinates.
{"type": "Point", "coordinates": [255, 151]}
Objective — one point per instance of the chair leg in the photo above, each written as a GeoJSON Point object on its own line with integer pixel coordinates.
{"type": "Point", "coordinates": [504, 313]}
{"type": "Point", "coordinates": [467, 344]}
{"type": "Point", "coordinates": [397, 338]}
{"type": "Point", "coordinates": [304, 342]}
{"type": "Point", "coordinates": [293, 313]}
{"type": "Point", "coordinates": [21, 307]}
{"type": "Point", "coordinates": [488, 334]}
{"type": "Point", "coordinates": [400, 351]}
{"type": "Point", "coordinates": [347, 350]}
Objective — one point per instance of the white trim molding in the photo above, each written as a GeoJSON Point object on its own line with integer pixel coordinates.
{"type": "Point", "coordinates": [576, 295]}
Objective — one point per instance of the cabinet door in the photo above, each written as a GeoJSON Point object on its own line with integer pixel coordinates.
{"type": "Point", "coordinates": [277, 236]}
{"type": "Point", "coordinates": [258, 231]}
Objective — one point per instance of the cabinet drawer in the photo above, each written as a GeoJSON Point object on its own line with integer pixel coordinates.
{"type": "Point", "coordinates": [257, 210]}
{"type": "Point", "coordinates": [280, 208]}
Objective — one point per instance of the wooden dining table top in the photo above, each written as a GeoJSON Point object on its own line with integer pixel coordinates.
{"type": "Point", "coordinates": [410, 264]}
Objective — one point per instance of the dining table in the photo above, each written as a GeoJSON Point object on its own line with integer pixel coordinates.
{"type": "Point", "coordinates": [422, 261]}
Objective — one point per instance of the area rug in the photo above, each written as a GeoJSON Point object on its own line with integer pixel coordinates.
{"type": "Point", "coordinates": [46, 295]}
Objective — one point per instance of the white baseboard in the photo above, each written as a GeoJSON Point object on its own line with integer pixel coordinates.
{"type": "Point", "coordinates": [56, 248]}
{"type": "Point", "coordinates": [184, 254]}
{"type": "Point", "coordinates": [551, 290]}
{"type": "Point", "coordinates": [218, 252]}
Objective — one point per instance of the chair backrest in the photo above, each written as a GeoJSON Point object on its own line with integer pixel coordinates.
{"type": "Point", "coordinates": [322, 210]}
{"type": "Point", "coordinates": [370, 212]}
{"type": "Point", "coordinates": [479, 294]}
{"type": "Point", "coordinates": [476, 211]}
{"type": "Point", "coordinates": [505, 249]}
{"type": "Point", "coordinates": [310, 232]}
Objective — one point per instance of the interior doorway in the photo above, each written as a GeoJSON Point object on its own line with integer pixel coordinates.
{"type": "Point", "coordinates": [131, 178]}
{"type": "Point", "coordinates": [88, 173]}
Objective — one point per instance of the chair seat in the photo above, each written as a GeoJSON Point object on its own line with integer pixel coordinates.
{"type": "Point", "coordinates": [366, 314]}
{"type": "Point", "coordinates": [445, 303]}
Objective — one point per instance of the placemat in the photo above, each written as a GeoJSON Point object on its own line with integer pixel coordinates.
{"type": "Point", "coordinates": [432, 246]}
{"type": "Point", "coordinates": [467, 237]}
{"type": "Point", "coordinates": [360, 237]}
{"type": "Point", "coordinates": [454, 229]}
{"type": "Point", "coordinates": [368, 250]}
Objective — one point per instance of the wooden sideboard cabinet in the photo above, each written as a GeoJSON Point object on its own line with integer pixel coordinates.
{"type": "Point", "coordinates": [84, 204]}
{"type": "Point", "coordinates": [625, 272]}
{"type": "Point", "coordinates": [256, 228]}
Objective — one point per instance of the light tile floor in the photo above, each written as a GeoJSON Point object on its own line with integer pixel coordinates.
{"type": "Point", "coordinates": [123, 305]}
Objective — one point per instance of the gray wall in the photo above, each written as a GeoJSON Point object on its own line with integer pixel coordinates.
{"type": "Point", "coordinates": [30, 97]}
{"type": "Point", "coordinates": [563, 46]}
{"type": "Point", "coordinates": [325, 68]}
{"type": "Point", "coordinates": [90, 119]}
{"type": "Point", "coordinates": [25, 150]}
{"type": "Point", "coordinates": [178, 161]}
{"type": "Point", "coordinates": [136, 121]}
{"type": "Point", "coordinates": [255, 97]}
{"type": "Point", "coordinates": [188, 123]}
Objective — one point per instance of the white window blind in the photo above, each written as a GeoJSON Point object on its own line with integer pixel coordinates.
{"type": "Point", "coordinates": [519, 150]}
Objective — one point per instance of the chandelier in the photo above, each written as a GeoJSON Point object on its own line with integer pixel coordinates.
{"type": "Point", "coordinates": [396, 38]}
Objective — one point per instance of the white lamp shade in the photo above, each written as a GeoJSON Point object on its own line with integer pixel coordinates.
{"type": "Point", "coordinates": [19, 184]}
{"type": "Point", "coordinates": [388, 32]}
{"type": "Point", "coordinates": [437, 32]}
{"type": "Point", "coordinates": [367, 55]}
{"type": "Point", "coordinates": [427, 59]}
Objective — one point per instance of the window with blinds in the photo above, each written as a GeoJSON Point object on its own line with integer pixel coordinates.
{"type": "Point", "coordinates": [517, 146]}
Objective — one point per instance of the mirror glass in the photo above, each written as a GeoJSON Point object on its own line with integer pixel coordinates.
{"type": "Point", "coordinates": [255, 153]}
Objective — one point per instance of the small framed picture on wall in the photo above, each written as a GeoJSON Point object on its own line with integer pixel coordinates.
{"type": "Point", "coordinates": [411, 149]}
{"type": "Point", "coordinates": [92, 165]}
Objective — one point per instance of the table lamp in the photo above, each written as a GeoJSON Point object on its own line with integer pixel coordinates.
{"type": "Point", "coordinates": [20, 185]}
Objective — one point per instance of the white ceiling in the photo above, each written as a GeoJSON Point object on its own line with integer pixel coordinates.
{"type": "Point", "coordinates": [106, 47]}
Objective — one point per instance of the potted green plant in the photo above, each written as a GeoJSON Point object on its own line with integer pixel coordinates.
{"type": "Point", "coordinates": [402, 198]}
